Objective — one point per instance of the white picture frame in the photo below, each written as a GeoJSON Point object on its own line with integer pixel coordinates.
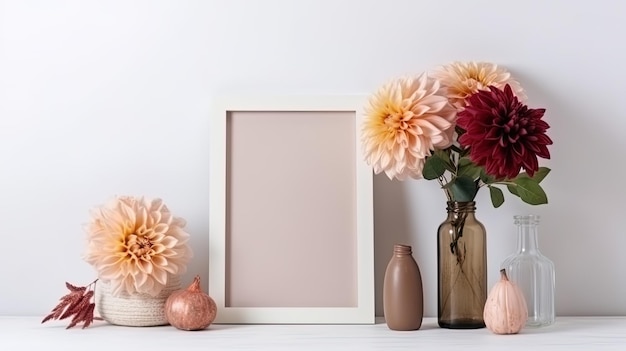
{"type": "Point", "coordinates": [336, 209]}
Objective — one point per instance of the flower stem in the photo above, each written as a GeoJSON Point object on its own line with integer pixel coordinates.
{"type": "Point", "coordinates": [458, 224]}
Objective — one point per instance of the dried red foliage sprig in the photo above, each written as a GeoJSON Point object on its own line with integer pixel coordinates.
{"type": "Point", "coordinates": [77, 303]}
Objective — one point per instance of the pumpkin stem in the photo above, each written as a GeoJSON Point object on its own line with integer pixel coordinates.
{"type": "Point", "coordinates": [503, 274]}
{"type": "Point", "coordinates": [195, 285]}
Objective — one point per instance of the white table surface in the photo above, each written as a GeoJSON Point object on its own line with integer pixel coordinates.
{"type": "Point", "coordinates": [568, 333]}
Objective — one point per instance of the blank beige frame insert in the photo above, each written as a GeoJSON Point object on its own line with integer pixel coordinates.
{"type": "Point", "coordinates": [291, 211]}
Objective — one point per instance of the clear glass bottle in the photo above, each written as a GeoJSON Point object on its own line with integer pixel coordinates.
{"type": "Point", "coordinates": [461, 268]}
{"type": "Point", "coordinates": [532, 272]}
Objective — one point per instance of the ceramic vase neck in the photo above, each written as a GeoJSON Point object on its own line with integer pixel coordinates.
{"type": "Point", "coordinates": [400, 250]}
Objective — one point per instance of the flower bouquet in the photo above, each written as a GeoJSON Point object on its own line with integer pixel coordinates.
{"type": "Point", "coordinates": [466, 126]}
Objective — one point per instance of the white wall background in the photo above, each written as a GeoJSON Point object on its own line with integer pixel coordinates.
{"type": "Point", "coordinates": [99, 98]}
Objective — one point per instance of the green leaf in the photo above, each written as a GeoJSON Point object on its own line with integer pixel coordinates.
{"type": "Point", "coordinates": [468, 168]}
{"type": "Point", "coordinates": [497, 196]}
{"type": "Point", "coordinates": [529, 191]}
{"type": "Point", "coordinates": [463, 189]}
{"type": "Point", "coordinates": [445, 158]}
{"type": "Point", "coordinates": [513, 189]}
{"type": "Point", "coordinates": [433, 168]}
{"type": "Point", "coordinates": [486, 178]}
{"type": "Point", "coordinates": [443, 153]}
{"type": "Point", "coordinates": [541, 174]}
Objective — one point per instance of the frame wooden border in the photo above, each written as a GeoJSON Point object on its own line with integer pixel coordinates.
{"type": "Point", "coordinates": [364, 312]}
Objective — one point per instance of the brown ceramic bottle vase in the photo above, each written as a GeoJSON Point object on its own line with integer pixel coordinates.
{"type": "Point", "coordinates": [403, 299]}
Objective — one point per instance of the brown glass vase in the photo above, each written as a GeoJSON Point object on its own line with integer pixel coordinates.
{"type": "Point", "coordinates": [462, 268]}
{"type": "Point", "coordinates": [403, 299]}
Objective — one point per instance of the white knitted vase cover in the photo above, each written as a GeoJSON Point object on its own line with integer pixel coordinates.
{"type": "Point", "coordinates": [134, 310]}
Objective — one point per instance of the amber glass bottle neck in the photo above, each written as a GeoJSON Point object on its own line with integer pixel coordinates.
{"type": "Point", "coordinates": [456, 206]}
{"type": "Point", "coordinates": [462, 210]}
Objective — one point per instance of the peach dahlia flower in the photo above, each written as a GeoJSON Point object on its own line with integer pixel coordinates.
{"type": "Point", "coordinates": [135, 243]}
{"type": "Point", "coordinates": [405, 120]}
{"type": "Point", "coordinates": [462, 79]}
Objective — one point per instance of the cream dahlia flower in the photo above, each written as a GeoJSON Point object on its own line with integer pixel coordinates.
{"type": "Point", "coordinates": [462, 79]}
{"type": "Point", "coordinates": [135, 244]}
{"type": "Point", "coordinates": [405, 120]}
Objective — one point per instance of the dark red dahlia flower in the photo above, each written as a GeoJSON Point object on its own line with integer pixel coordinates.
{"type": "Point", "coordinates": [503, 134]}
